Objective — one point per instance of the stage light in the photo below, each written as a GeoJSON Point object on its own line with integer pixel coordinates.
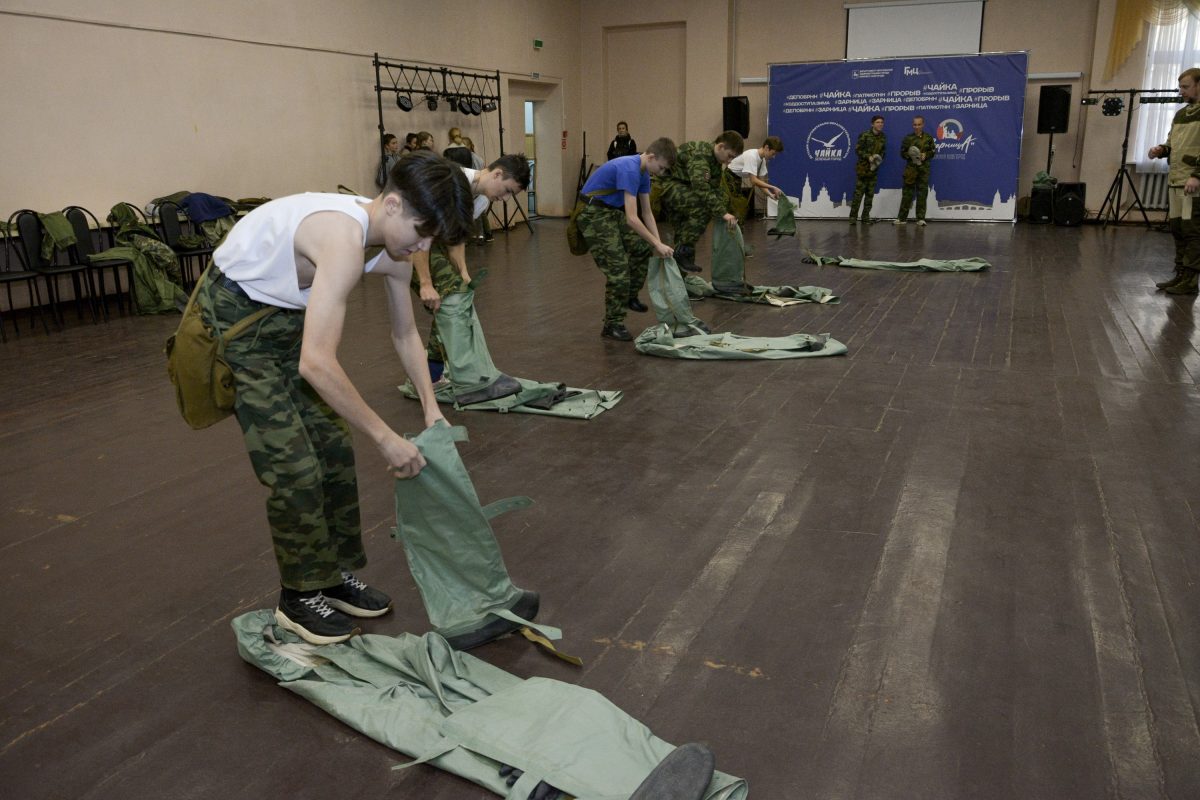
{"type": "Point", "coordinates": [454, 101]}
{"type": "Point", "coordinates": [404, 102]}
{"type": "Point", "coordinates": [489, 105]}
{"type": "Point", "coordinates": [1112, 106]}
{"type": "Point", "coordinates": [474, 108]}
{"type": "Point", "coordinates": [1090, 101]}
{"type": "Point", "coordinates": [431, 102]}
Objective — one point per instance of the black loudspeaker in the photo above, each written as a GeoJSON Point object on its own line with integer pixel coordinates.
{"type": "Point", "coordinates": [1070, 204]}
{"type": "Point", "coordinates": [737, 115]}
{"type": "Point", "coordinates": [1054, 109]}
{"type": "Point", "coordinates": [1041, 204]}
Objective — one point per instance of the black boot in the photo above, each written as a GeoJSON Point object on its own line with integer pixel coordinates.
{"type": "Point", "coordinates": [683, 775]}
{"type": "Point", "coordinates": [1175, 278]}
{"type": "Point", "coordinates": [637, 305]}
{"type": "Point", "coordinates": [1188, 284]}
{"type": "Point", "coordinates": [685, 257]}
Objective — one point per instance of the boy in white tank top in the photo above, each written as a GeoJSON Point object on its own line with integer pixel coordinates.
{"type": "Point", "coordinates": [304, 254]}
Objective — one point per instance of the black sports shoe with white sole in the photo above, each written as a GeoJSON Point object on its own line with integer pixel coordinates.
{"type": "Point", "coordinates": [357, 599]}
{"type": "Point", "coordinates": [311, 618]}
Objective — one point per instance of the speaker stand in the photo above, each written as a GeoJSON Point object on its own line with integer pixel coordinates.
{"type": "Point", "coordinates": [1110, 209]}
{"type": "Point", "coordinates": [1050, 153]}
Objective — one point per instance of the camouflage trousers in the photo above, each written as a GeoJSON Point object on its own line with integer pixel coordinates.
{"type": "Point", "coordinates": [915, 184]}
{"type": "Point", "coordinates": [300, 448]}
{"type": "Point", "coordinates": [1183, 220]}
{"type": "Point", "coordinates": [446, 280]}
{"type": "Point", "coordinates": [619, 252]}
{"type": "Point", "coordinates": [687, 210]}
{"type": "Point", "coordinates": [864, 191]}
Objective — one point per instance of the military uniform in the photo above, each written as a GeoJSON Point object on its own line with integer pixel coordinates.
{"type": "Point", "coordinates": [1183, 215]}
{"type": "Point", "coordinates": [621, 255]}
{"type": "Point", "coordinates": [866, 171]}
{"type": "Point", "coordinates": [916, 176]}
{"type": "Point", "coordinates": [693, 192]}
{"type": "Point", "coordinates": [299, 447]}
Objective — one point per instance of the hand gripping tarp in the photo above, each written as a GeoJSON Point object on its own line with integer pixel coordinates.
{"type": "Point", "coordinates": [551, 399]}
{"type": "Point", "coordinates": [780, 296]}
{"type": "Point", "coordinates": [669, 297]}
{"type": "Point", "coordinates": [452, 552]}
{"type": "Point", "coordinates": [785, 222]}
{"type": "Point", "coordinates": [418, 696]}
{"type": "Point", "coordinates": [658, 341]}
{"type": "Point", "coordinates": [729, 277]}
{"type": "Point", "coordinates": [923, 265]}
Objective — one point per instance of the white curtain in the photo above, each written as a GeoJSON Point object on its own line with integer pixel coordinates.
{"type": "Point", "coordinates": [1170, 49]}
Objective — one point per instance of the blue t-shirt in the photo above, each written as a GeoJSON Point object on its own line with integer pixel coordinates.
{"type": "Point", "coordinates": [623, 174]}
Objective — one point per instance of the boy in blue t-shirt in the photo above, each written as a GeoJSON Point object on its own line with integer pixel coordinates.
{"type": "Point", "coordinates": [620, 243]}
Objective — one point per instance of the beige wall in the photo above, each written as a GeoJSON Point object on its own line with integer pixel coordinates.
{"type": "Point", "coordinates": [706, 55]}
{"type": "Point", "coordinates": [728, 40]}
{"type": "Point", "coordinates": [128, 99]}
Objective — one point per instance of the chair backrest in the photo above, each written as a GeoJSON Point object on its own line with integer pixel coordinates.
{"type": "Point", "coordinates": [29, 244]}
{"type": "Point", "coordinates": [168, 221]}
{"type": "Point", "coordinates": [82, 222]}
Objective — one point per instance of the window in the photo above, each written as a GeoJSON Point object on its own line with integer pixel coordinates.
{"type": "Point", "coordinates": [1170, 49]}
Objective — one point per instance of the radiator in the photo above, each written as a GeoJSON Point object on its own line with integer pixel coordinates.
{"type": "Point", "coordinates": [1152, 187]}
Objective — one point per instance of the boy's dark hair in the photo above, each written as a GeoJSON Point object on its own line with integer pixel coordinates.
{"type": "Point", "coordinates": [733, 140]}
{"type": "Point", "coordinates": [411, 138]}
{"type": "Point", "coordinates": [422, 136]}
{"type": "Point", "coordinates": [665, 149]}
{"type": "Point", "coordinates": [774, 142]}
{"type": "Point", "coordinates": [436, 192]}
{"type": "Point", "coordinates": [388, 138]}
{"type": "Point", "coordinates": [876, 117]}
{"type": "Point", "coordinates": [514, 166]}
{"type": "Point", "coordinates": [623, 122]}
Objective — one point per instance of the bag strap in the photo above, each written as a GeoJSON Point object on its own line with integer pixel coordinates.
{"type": "Point", "coordinates": [236, 329]}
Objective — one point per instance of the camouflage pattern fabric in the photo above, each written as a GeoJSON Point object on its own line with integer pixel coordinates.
{"type": "Point", "coordinates": [446, 280]}
{"type": "Point", "coordinates": [215, 230]}
{"type": "Point", "coordinates": [693, 192]}
{"type": "Point", "coordinates": [916, 176]}
{"type": "Point", "coordinates": [869, 144]}
{"type": "Point", "coordinates": [299, 447]}
{"type": "Point", "coordinates": [620, 254]}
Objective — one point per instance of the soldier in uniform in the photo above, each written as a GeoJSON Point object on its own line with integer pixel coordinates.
{"type": "Point", "coordinates": [303, 255]}
{"type": "Point", "coordinates": [1182, 152]}
{"type": "Point", "coordinates": [620, 243]}
{"type": "Point", "coordinates": [870, 150]}
{"type": "Point", "coordinates": [918, 148]}
{"type": "Point", "coordinates": [693, 192]}
{"type": "Point", "coordinates": [443, 270]}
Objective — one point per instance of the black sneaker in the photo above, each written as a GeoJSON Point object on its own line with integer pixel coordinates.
{"type": "Point", "coordinates": [618, 332]}
{"type": "Point", "coordinates": [357, 599]}
{"type": "Point", "coordinates": [637, 305]}
{"type": "Point", "coordinates": [312, 619]}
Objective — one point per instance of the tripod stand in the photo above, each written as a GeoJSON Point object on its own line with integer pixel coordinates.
{"type": "Point", "coordinates": [1110, 209]}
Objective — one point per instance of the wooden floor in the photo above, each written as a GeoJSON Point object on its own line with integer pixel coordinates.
{"type": "Point", "coordinates": [961, 561]}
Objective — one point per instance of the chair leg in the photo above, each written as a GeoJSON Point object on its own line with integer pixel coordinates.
{"type": "Point", "coordinates": [95, 298]}
{"type": "Point", "coordinates": [52, 300]}
{"type": "Point", "coordinates": [37, 304]}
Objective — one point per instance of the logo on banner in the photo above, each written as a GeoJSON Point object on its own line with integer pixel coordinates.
{"type": "Point", "coordinates": [828, 141]}
{"type": "Point", "coordinates": [953, 137]}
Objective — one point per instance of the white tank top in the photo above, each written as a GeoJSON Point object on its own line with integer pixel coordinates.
{"type": "Point", "coordinates": [259, 253]}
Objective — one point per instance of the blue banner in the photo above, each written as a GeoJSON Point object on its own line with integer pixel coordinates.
{"type": "Point", "coordinates": [974, 107]}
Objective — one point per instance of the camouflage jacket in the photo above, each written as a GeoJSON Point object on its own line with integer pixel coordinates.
{"type": "Point", "coordinates": [925, 143]}
{"type": "Point", "coordinates": [697, 168]}
{"type": "Point", "coordinates": [869, 144]}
